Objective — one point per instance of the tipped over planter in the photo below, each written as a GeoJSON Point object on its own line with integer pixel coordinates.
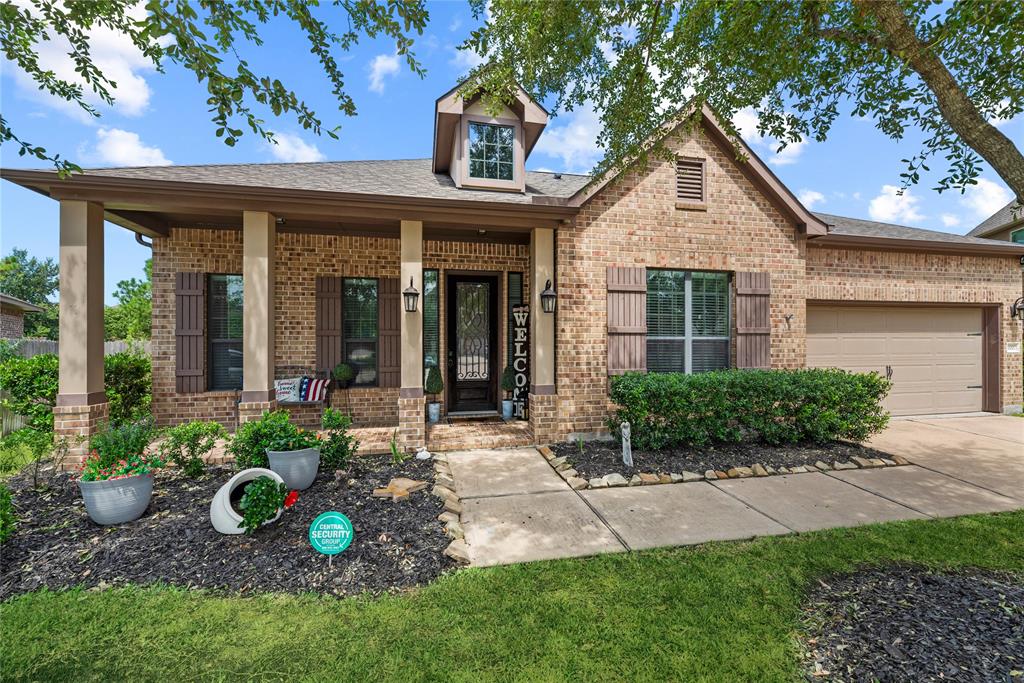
{"type": "Point", "coordinates": [224, 515]}
{"type": "Point", "coordinates": [297, 468]}
{"type": "Point", "coordinates": [116, 501]}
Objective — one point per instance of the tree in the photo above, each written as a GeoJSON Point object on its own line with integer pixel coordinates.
{"type": "Point", "coordinates": [208, 39]}
{"type": "Point", "coordinates": [132, 317]}
{"type": "Point", "coordinates": [947, 69]}
{"type": "Point", "coordinates": [35, 281]}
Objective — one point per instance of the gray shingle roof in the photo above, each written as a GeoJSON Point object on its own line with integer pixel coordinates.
{"type": "Point", "coordinates": [395, 178]}
{"type": "Point", "coordinates": [841, 225]}
{"type": "Point", "coordinates": [1003, 216]}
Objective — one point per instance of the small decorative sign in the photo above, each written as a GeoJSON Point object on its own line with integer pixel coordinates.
{"type": "Point", "coordinates": [330, 533]}
{"type": "Point", "coordinates": [627, 444]}
{"type": "Point", "coordinates": [521, 360]}
{"type": "Point", "coordinates": [1013, 347]}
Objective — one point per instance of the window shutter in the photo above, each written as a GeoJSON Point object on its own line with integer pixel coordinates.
{"type": "Point", "coordinates": [627, 320]}
{"type": "Point", "coordinates": [328, 323]}
{"type": "Point", "coordinates": [690, 181]}
{"type": "Point", "coordinates": [753, 320]}
{"type": "Point", "coordinates": [389, 312]}
{"type": "Point", "coordinates": [190, 333]}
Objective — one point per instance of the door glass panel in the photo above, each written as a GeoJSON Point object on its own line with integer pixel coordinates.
{"type": "Point", "coordinates": [473, 331]}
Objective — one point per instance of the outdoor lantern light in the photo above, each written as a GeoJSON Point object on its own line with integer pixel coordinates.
{"type": "Point", "coordinates": [547, 298]}
{"type": "Point", "coordinates": [1017, 309]}
{"type": "Point", "coordinates": [411, 295]}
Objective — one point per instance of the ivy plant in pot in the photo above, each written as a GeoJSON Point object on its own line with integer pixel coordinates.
{"type": "Point", "coordinates": [116, 479]}
{"type": "Point", "coordinates": [434, 386]}
{"type": "Point", "coordinates": [274, 441]}
{"type": "Point", "coordinates": [250, 499]}
{"type": "Point", "coordinates": [508, 385]}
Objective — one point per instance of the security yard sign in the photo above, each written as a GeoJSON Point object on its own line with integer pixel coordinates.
{"type": "Point", "coordinates": [330, 533]}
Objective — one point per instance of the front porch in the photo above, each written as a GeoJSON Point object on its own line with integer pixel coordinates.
{"type": "Point", "coordinates": [455, 436]}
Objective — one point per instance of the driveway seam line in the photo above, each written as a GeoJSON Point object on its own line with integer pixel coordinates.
{"type": "Point", "coordinates": [964, 481]}
{"type": "Point", "coordinates": [604, 521]}
{"type": "Point", "coordinates": [752, 507]}
{"type": "Point", "coordinates": [964, 431]}
{"type": "Point", "coordinates": [882, 496]}
{"type": "Point", "coordinates": [513, 493]}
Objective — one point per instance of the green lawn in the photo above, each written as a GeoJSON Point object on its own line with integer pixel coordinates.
{"type": "Point", "coordinates": [727, 611]}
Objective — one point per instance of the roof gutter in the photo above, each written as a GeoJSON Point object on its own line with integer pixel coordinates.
{"type": "Point", "coordinates": [899, 244]}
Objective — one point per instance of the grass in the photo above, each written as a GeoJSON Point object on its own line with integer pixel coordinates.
{"type": "Point", "coordinates": [724, 611]}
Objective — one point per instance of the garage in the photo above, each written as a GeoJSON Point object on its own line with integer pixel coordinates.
{"type": "Point", "coordinates": [933, 355]}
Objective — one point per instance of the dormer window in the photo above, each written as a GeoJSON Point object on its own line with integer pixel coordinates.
{"type": "Point", "coordinates": [491, 151]}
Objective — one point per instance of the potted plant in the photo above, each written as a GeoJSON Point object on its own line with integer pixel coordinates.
{"type": "Point", "coordinates": [249, 500]}
{"type": "Point", "coordinates": [343, 374]}
{"type": "Point", "coordinates": [274, 441]}
{"type": "Point", "coordinates": [508, 385]}
{"type": "Point", "coordinates": [116, 480]}
{"type": "Point", "coordinates": [434, 386]}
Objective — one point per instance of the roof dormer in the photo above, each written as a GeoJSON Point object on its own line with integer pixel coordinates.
{"type": "Point", "coordinates": [480, 150]}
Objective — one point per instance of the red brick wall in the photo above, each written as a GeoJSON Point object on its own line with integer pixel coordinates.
{"type": "Point", "coordinates": [12, 323]}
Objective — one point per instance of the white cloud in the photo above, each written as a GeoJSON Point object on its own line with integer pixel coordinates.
{"type": "Point", "coordinates": [998, 121]}
{"type": "Point", "coordinates": [381, 68]}
{"type": "Point", "coordinates": [810, 198]}
{"type": "Point", "coordinates": [767, 147]}
{"type": "Point", "coordinates": [950, 220]}
{"type": "Point", "coordinates": [574, 143]}
{"type": "Point", "coordinates": [985, 198]}
{"type": "Point", "coordinates": [464, 60]}
{"type": "Point", "coordinates": [892, 206]}
{"type": "Point", "coordinates": [455, 25]}
{"type": "Point", "coordinates": [123, 148]}
{"type": "Point", "coordinates": [291, 149]}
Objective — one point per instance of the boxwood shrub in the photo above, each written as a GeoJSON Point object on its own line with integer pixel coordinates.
{"type": "Point", "coordinates": [728, 406]}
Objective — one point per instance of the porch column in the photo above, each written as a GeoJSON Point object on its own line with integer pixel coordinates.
{"type": "Point", "coordinates": [542, 399]}
{"type": "Point", "coordinates": [81, 399]}
{"type": "Point", "coordinates": [411, 421]}
{"type": "Point", "coordinates": [259, 231]}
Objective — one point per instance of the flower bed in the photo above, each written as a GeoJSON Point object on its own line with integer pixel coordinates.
{"type": "Point", "coordinates": [397, 544]}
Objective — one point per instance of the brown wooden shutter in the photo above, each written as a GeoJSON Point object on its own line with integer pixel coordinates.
{"type": "Point", "coordinates": [753, 320]}
{"type": "Point", "coordinates": [690, 181]}
{"type": "Point", "coordinates": [389, 329]}
{"type": "Point", "coordinates": [329, 351]}
{"type": "Point", "coordinates": [627, 320]}
{"type": "Point", "coordinates": [190, 333]}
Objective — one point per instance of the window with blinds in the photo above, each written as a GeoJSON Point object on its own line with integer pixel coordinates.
{"type": "Point", "coordinates": [224, 331]}
{"type": "Point", "coordinates": [515, 298]}
{"type": "Point", "coordinates": [690, 181]}
{"type": "Point", "coordinates": [359, 328]}
{"type": "Point", "coordinates": [431, 321]}
{"type": "Point", "coordinates": [687, 321]}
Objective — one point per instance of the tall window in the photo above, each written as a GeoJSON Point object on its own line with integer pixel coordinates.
{"type": "Point", "coordinates": [687, 321]}
{"type": "Point", "coordinates": [515, 298]}
{"type": "Point", "coordinates": [224, 330]}
{"type": "Point", "coordinates": [359, 327]}
{"type": "Point", "coordinates": [431, 321]}
{"type": "Point", "coordinates": [491, 151]}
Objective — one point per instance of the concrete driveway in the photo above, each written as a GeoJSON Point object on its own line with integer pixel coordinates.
{"type": "Point", "coordinates": [516, 509]}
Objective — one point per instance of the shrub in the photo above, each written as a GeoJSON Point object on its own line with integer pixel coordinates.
{"type": "Point", "coordinates": [128, 376]}
{"type": "Point", "coordinates": [434, 384]}
{"type": "Point", "coordinates": [186, 444]}
{"type": "Point", "coordinates": [344, 374]}
{"type": "Point", "coordinates": [273, 431]}
{"type": "Point", "coordinates": [262, 499]}
{"type": "Point", "coordinates": [7, 520]}
{"type": "Point", "coordinates": [339, 446]}
{"type": "Point", "coordinates": [15, 456]}
{"type": "Point", "coordinates": [115, 442]}
{"type": "Point", "coordinates": [775, 406]}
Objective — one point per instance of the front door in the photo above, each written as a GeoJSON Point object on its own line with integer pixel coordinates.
{"type": "Point", "coordinates": [472, 343]}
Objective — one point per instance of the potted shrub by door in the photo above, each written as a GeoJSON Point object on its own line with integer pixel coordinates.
{"type": "Point", "coordinates": [434, 386]}
{"type": "Point", "coordinates": [508, 385]}
{"type": "Point", "coordinates": [274, 441]}
{"type": "Point", "coordinates": [116, 480]}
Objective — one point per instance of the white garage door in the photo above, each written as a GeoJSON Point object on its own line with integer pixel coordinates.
{"type": "Point", "coordinates": [934, 353]}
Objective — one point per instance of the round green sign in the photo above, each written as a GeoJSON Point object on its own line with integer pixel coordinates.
{"type": "Point", "coordinates": [330, 533]}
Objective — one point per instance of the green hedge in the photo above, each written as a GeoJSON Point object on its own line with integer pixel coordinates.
{"type": "Point", "coordinates": [728, 406]}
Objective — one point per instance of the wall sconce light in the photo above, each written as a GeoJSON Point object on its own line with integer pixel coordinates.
{"type": "Point", "coordinates": [547, 298]}
{"type": "Point", "coordinates": [411, 295]}
{"type": "Point", "coordinates": [1017, 309]}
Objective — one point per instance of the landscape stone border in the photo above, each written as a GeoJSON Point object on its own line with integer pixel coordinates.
{"type": "Point", "coordinates": [564, 468]}
{"type": "Point", "coordinates": [444, 488]}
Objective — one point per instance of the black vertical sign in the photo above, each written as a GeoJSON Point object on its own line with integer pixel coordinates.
{"type": "Point", "coordinates": [521, 360]}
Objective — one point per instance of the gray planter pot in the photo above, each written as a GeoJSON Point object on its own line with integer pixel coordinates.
{"type": "Point", "coordinates": [297, 468]}
{"type": "Point", "coordinates": [506, 409]}
{"type": "Point", "coordinates": [116, 501]}
{"type": "Point", "coordinates": [434, 413]}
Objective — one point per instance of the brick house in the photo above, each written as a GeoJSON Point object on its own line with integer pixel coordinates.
{"type": "Point", "coordinates": [265, 271]}
{"type": "Point", "coordinates": [12, 316]}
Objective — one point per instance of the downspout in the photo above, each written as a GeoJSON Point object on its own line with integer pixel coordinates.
{"type": "Point", "coordinates": [141, 240]}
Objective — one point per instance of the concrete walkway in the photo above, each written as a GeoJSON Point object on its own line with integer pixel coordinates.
{"type": "Point", "coordinates": [517, 509]}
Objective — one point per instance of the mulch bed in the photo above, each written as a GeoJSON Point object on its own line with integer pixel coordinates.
{"type": "Point", "coordinates": [909, 624]}
{"type": "Point", "coordinates": [605, 457]}
{"type": "Point", "coordinates": [396, 545]}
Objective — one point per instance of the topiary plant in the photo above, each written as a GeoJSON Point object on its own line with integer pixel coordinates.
{"type": "Point", "coordinates": [508, 381]}
{"type": "Point", "coordinates": [434, 383]}
{"type": "Point", "coordinates": [343, 374]}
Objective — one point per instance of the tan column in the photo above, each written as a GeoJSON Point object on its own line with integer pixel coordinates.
{"type": "Point", "coordinates": [81, 304]}
{"type": "Point", "coordinates": [542, 325]}
{"type": "Point", "coordinates": [412, 323]}
{"type": "Point", "coordinates": [259, 231]}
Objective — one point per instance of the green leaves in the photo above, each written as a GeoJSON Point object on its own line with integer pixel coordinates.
{"type": "Point", "coordinates": [186, 444]}
{"type": "Point", "coordinates": [262, 499]}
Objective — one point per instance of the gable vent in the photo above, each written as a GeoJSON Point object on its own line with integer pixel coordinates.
{"type": "Point", "coordinates": [690, 180]}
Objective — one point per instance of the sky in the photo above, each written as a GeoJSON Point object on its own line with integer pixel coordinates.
{"type": "Point", "coordinates": [162, 118]}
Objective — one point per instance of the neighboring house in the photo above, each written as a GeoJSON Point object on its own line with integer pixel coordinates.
{"type": "Point", "coordinates": [1005, 224]}
{"type": "Point", "coordinates": [691, 265]}
{"type": "Point", "coordinates": [12, 316]}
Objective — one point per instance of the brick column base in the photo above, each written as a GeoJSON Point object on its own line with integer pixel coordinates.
{"type": "Point", "coordinates": [544, 418]}
{"type": "Point", "coordinates": [254, 410]}
{"type": "Point", "coordinates": [77, 424]}
{"type": "Point", "coordinates": [412, 423]}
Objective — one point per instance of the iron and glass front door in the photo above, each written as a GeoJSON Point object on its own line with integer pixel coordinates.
{"type": "Point", "coordinates": [472, 343]}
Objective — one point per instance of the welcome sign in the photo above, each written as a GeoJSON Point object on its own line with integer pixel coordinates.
{"type": "Point", "coordinates": [521, 360]}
